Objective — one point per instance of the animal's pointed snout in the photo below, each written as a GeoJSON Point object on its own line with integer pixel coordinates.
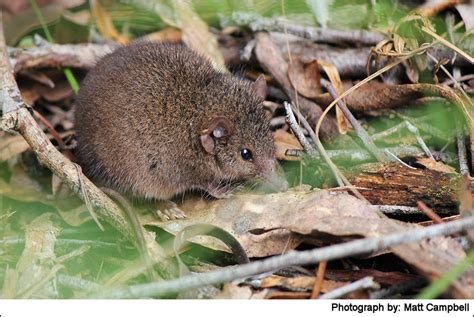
{"type": "Point", "coordinates": [274, 176]}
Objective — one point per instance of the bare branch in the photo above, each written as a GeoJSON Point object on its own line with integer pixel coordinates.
{"type": "Point", "coordinates": [366, 282]}
{"type": "Point", "coordinates": [361, 133]}
{"type": "Point", "coordinates": [294, 258]}
{"type": "Point", "coordinates": [290, 118]}
{"type": "Point", "coordinates": [54, 55]}
{"type": "Point", "coordinates": [10, 97]}
{"type": "Point", "coordinates": [323, 35]}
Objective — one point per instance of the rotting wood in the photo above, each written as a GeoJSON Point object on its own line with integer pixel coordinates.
{"type": "Point", "coordinates": [395, 184]}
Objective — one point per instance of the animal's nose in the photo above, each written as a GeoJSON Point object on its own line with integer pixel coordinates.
{"type": "Point", "coordinates": [275, 177]}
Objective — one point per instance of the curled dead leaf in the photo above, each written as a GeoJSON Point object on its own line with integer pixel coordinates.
{"type": "Point", "coordinates": [196, 34]}
{"type": "Point", "coordinates": [284, 142]}
{"type": "Point", "coordinates": [166, 35]}
{"type": "Point", "coordinates": [104, 23]}
{"type": "Point", "coordinates": [435, 165]}
{"type": "Point", "coordinates": [304, 77]}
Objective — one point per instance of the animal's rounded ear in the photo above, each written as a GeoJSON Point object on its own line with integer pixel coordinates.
{"type": "Point", "coordinates": [219, 127]}
{"type": "Point", "coordinates": [260, 87]}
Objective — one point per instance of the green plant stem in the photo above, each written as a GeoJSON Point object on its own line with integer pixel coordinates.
{"type": "Point", "coordinates": [71, 79]}
{"type": "Point", "coordinates": [67, 71]}
{"type": "Point", "coordinates": [438, 287]}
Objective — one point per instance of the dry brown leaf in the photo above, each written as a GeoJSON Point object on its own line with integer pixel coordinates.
{"type": "Point", "coordinates": [50, 85]}
{"type": "Point", "coordinates": [300, 282]}
{"type": "Point", "coordinates": [104, 23]}
{"type": "Point", "coordinates": [431, 7]}
{"type": "Point", "coordinates": [271, 60]}
{"type": "Point", "coordinates": [39, 77]}
{"type": "Point", "coordinates": [383, 278]}
{"type": "Point", "coordinates": [375, 96]}
{"type": "Point", "coordinates": [29, 94]}
{"type": "Point", "coordinates": [11, 146]}
{"type": "Point", "coordinates": [285, 141]}
{"type": "Point", "coordinates": [20, 179]}
{"type": "Point", "coordinates": [350, 62]}
{"type": "Point", "coordinates": [293, 211]}
{"type": "Point", "coordinates": [75, 217]}
{"type": "Point", "coordinates": [287, 295]}
{"type": "Point", "coordinates": [317, 215]}
{"type": "Point", "coordinates": [166, 35]}
{"type": "Point", "coordinates": [335, 79]}
{"type": "Point", "coordinates": [466, 198]}
{"type": "Point", "coordinates": [467, 14]}
{"type": "Point", "coordinates": [61, 90]}
{"type": "Point", "coordinates": [38, 257]}
{"type": "Point", "coordinates": [196, 33]}
{"type": "Point", "coordinates": [399, 43]}
{"type": "Point", "coordinates": [82, 17]}
{"type": "Point", "coordinates": [10, 283]}
{"type": "Point", "coordinates": [20, 5]}
{"type": "Point", "coordinates": [435, 165]}
{"type": "Point", "coordinates": [305, 78]}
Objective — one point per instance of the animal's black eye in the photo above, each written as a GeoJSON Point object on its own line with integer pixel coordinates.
{"type": "Point", "coordinates": [246, 154]}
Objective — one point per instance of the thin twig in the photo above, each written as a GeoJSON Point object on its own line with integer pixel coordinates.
{"type": "Point", "coordinates": [71, 243]}
{"type": "Point", "coordinates": [366, 282]}
{"type": "Point", "coordinates": [83, 56]}
{"type": "Point", "coordinates": [420, 124]}
{"type": "Point", "coordinates": [445, 93]}
{"type": "Point", "coordinates": [305, 123]}
{"type": "Point", "coordinates": [290, 118]}
{"type": "Point", "coordinates": [361, 133]}
{"type": "Point", "coordinates": [398, 210]}
{"type": "Point", "coordinates": [54, 133]}
{"type": "Point", "coordinates": [399, 288]}
{"type": "Point", "coordinates": [419, 139]}
{"type": "Point", "coordinates": [445, 42]}
{"type": "Point", "coordinates": [294, 258]}
{"type": "Point", "coordinates": [461, 145]}
{"type": "Point", "coordinates": [86, 198]}
{"type": "Point", "coordinates": [449, 82]}
{"type": "Point", "coordinates": [325, 35]}
{"type": "Point", "coordinates": [136, 227]}
{"type": "Point", "coordinates": [10, 94]}
{"type": "Point", "coordinates": [399, 160]}
{"type": "Point", "coordinates": [77, 283]}
{"type": "Point", "coordinates": [429, 212]}
{"type": "Point", "coordinates": [318, 283]}
{"type": "Point", "coordinates": [312, 135]}
{"type": "Point", "coordinates": [446, 219]}
{"type": "Point", "coordinates": [456, 84]}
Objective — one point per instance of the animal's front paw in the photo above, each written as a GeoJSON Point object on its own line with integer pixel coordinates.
{"type": "Point", "coordinates": [168, 210]}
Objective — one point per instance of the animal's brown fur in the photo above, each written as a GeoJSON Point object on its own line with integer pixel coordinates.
{"type": "Point", "coordinates": [140, 113]}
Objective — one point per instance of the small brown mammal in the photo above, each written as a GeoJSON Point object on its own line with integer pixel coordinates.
{"type": "Point", "coordinates": [155, 120]}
